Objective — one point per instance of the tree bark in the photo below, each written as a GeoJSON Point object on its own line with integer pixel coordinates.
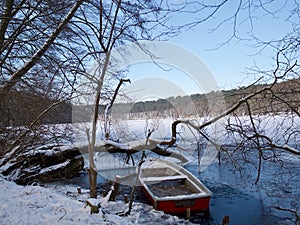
{"type": "Point", "coordinates": [6, 17]}
{"type": "Point", "coordinates": [93, 182]}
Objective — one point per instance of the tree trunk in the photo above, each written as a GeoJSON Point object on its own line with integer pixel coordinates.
{"type": "Point", "coordinates": [92, 168]}
{"type": "Point", "coordinates": [6, 17]}
{"type": "Point", "coordinates": [93, 182]}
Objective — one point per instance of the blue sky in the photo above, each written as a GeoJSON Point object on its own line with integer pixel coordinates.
{"type": "Point", "coordinates": [228, 63]}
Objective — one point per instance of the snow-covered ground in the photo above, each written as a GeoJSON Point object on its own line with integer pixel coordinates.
{"type": "Point", "coordinates": [39, 205]}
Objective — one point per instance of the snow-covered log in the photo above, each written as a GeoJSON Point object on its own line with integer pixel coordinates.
{"type": "Point", "coordinates": [44, 164]}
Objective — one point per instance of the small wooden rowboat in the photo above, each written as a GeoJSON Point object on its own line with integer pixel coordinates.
{"type": "Point", "coordinates": [172, 189]}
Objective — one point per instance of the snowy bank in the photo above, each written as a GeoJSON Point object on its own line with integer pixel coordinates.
{"type": "Point", "coordinates": [39, 205]}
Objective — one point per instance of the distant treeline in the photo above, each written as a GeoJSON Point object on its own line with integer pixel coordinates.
{"type": "Point", "coordinates": [23, 108]}
{"type": "Point", "coordinates": [283, 98]}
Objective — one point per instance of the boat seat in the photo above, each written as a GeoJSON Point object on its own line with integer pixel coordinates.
{"type": "Point", "coordinates": [176, 177]}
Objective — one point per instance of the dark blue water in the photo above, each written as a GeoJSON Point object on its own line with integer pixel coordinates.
{"type": "Point", "coordinates": [235, 194]}
{"type": "Point", "coordinates": [241, 205]}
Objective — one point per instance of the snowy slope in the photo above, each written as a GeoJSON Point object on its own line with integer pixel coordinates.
{"type": "Point", "coordinates": [39, 205]}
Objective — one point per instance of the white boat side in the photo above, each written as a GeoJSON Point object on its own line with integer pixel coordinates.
{"type": "Point", "coordinates": [173, 171]}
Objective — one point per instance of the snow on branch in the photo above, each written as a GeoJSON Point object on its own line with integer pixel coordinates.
{"type": "Point", "coordinates": [287, 148]}
{"type": "Point", "coordinates": [132, 147]}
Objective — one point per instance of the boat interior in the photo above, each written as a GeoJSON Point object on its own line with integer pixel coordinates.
{"type": "Point", "coordinates": [174, 187]}
{"type": "Point", "coordinates": [165, 182]}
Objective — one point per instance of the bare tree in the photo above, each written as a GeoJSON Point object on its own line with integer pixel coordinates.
{"type": "Point", "coordinates": [12, 31]}
{"type": "Point", "coordinates": [38, 69]}
{"type": "Point", "coordinates": [113, 24]}
{"type": "Point", "coordinates": [264, 121]}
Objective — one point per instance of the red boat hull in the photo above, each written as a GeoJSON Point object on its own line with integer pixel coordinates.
{"type": "Point", "coordinates": [178, 207]}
